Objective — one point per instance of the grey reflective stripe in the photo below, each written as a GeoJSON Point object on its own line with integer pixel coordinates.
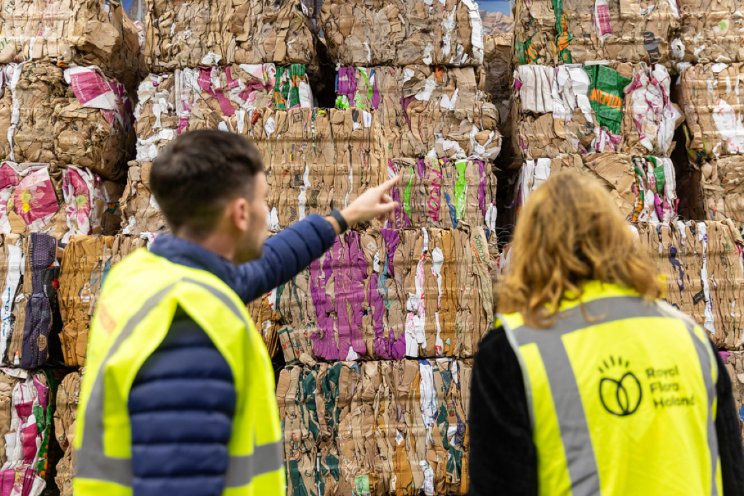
{"type": "Point", "coordinates": [92, 463]}
{"type": "Point", "coordinates": [703, 353]}
{"type": "Point", "coordinates": [264, 459]}
{"type": "Point", "coordinates": [574, 430]}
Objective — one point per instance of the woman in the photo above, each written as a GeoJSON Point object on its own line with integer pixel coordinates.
{"type": "Point", "coordinates": [590, 384]}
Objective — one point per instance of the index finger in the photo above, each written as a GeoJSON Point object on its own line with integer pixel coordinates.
{"type": "Point", "coordinates": [390, 183]}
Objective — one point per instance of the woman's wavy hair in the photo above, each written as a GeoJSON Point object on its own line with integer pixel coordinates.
{"type": "Point", "coordinates": [569, 232]}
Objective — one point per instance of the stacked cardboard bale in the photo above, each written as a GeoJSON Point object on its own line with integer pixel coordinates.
{"type": "Point", "coordinates": [387, 427]}
{"type": "Point", "coordinates": [713, 108]}
{"type": "Point", "coordinates": [417, 286]}
{"type": "Point", "coordinates": [68, 73]}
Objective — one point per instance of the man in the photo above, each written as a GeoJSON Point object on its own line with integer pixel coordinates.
{"type": "Point", "coordinates": [178, 395]}
{"type": "Point", "coordinates": [591, 385]}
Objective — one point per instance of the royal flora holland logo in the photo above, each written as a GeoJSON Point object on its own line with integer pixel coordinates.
{"type": "Point", "coordinates": [620, 390]}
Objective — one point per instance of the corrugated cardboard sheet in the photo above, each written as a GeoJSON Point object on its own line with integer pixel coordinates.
{"type": "Point", "coordinates": [441, 192]}
{"type": "Point", "coordinates": [314, 159]}
{"type": "Point", "coordinates": [213, 97]}
{"type": "Point", "coordinates": [564, 31]}
{"type": "Point", "coordinates": [568, 109]}
{"type": "Point", "coordinates": [59, 202]}
{"type": "Point", "coordinates": [85, 262]}
{"type": "Point", "coordinates": [387, 294]}
{"type": "Point", "coordinates": [402, 32]}
{"type": "Point", "coordinates": [702, 263]}
{"type": "Point", "coordinates": [723, 188]}
{"type": "Point", "coordinates": [644, 188]}
{"type": "Point", "coordinates": [84, 116]}
{"type": "Point", "coordinates": [210, 32]}
{"type": "Point", "coordinates": [390, 427]}
{"type": "Point", "coordinates": [710, 31]}
{"type": "Point", "coordinates": [712, 100]}
{"type": "Point", "coordinates": [422, 108]}
{"type": "Point", "coordinates": [87, 32]}
{"type": "Point", "coordinates": [68, 397]}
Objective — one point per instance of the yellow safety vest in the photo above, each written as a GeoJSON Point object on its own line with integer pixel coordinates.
{"type": "Point", "coordinates": [622, 397]}
{"type": "Point", "coordinates": [133, 315]}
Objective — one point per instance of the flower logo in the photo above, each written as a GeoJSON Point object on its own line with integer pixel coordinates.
{"type": "Point", "coordinates": [620, 394]}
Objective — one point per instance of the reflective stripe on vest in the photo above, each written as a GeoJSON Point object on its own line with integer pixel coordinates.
{"type": "Point", "coordinates": [92, 462]}
{"type": "Point", "coordinates": [574, 431]}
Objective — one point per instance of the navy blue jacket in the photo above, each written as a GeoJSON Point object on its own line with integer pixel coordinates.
{"type": "Point", "coordinates": [182, 401]}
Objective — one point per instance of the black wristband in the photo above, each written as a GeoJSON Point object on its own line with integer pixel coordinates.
{"type": "Point", "coordinates": [342, 224]}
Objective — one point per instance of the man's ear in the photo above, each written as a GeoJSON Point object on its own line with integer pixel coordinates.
{"type": "Point", "coordinates": [239, 214]}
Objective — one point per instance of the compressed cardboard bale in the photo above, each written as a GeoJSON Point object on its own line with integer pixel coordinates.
{"type": "Point", "coordinates": [578, 31]}
{"type": "Point", "coordinates": [213, 97]}
{"type": "Point", "coordinates": [376, 427]}
{"type": "Point", "coordinates": [140, 210]}
{"type": "Point", "coordinates": [85, 263]}
{"type": "Point", "coordinates": [422, 108]}
{"type": "Point", "coordinates": [206, 32]}
{"type": "Point", "coordinates": [67, 32]}
{"type": "Point", "coordinates": [28, 441]}
{"type": "Point", "coordinates": [34, 302]}
{"type": "Point", "coordinates": [643, 188]}
{"type": "Point", "coordinates": [498, 41]}
{"type": "Point", "coordinates": [710, 31]}
{"type": "Point", "coordinates": [387, 294]}
{"type": "Point", "coordinates": [85, 116]}
{"type": "Point", "coordinates": [710, 97]}
{"type": "Point", "coordinates": [61, 202]}
{"type": "Point", "coordinates": [398, 32]}
{"type": "Point", "coordinates": [702, 263]}
{"type": "Point", "coordinates": [443, 193]}
{"type": "Point", "coordinates": [734, 362]}
{"type": "Point", "coordinates": [723, 189]}
{"type": "Point", "coordinates": [594, 108]}
{"type": "Point", "coordinates": [68, 397]}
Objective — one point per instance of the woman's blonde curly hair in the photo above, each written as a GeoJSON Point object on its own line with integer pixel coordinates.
{"type": "Point", "coordinates": [569, 232]}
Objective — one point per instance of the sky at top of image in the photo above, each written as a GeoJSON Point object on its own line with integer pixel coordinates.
{"type": "Point", "coordinates": [503, 6]}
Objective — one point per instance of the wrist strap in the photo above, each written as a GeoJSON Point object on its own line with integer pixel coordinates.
{"type": "Point", "coordinates": [341, 221]}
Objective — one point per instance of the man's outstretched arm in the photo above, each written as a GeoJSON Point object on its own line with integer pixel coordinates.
{"type": "Point", "coordinates": [290, 251]}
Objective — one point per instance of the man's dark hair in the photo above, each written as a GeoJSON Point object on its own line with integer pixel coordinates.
{"type": "Point", "coordinates": [194, 177]}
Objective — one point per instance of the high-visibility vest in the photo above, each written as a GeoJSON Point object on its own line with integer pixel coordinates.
{"type": "Point", "coordinates": [132, 317]}
{"type": "Point", "coordinates": [622, 397]}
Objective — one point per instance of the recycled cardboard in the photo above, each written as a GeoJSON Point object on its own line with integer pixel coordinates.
{"type": "Point", "coordinates": [68, 32]}
{"type": "Point", "coordinates": [205, 32]}
{"type": "Point", "coordinates": [577, 31]}
{"type": "Point", "coordinates": [498, 41]}
{"type": "Point", "coordinates": [140, 211]}
{"type": "Point", "coordinates": [68, 397]}
{"type": "Point", "coordinates": [422, 108]}
{"type": "Point", "coordinates": [390, 294]}
{"type": "Point", "coordinates": [386, 427]}
{"type": "Point", "coordinates": [723, 189]}
{"type": "Point", "coordinates": [398, 32]}
{"type": "Point", "coordinates": [710, 31]}
{"type": "Point", "coordinates": [594, 108]}
{"type": "Point", "coordinates": [84, 116]}
{"type": "Point", "coordinates": [444, 193]}
{"type": "Point", "coordinates": [85, 263]}
{"type": "Point", "coordinates": [702, 263]}
{"type": "Point", "coordinates": [709, 94]}
{"type": "Point", "coordinates": [314, 160]}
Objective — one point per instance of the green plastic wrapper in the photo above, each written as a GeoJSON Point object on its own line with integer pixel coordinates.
{"type": "Point", "coordinates": [606, 93]}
